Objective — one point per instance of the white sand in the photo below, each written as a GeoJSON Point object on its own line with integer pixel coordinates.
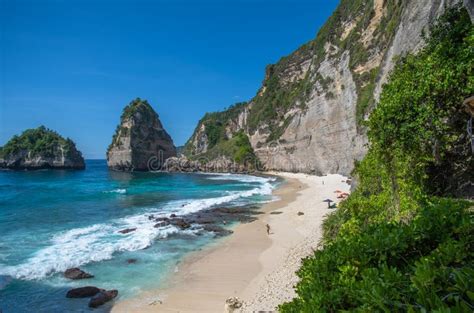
{"type": "Point", "coordinates": [256, 267]}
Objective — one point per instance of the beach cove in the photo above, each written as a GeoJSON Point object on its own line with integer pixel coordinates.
{"type": "Point", "coordinates": [256, 267]}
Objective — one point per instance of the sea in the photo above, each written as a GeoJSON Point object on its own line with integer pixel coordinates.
{"type": "Point", "coordinates": [52, 220]}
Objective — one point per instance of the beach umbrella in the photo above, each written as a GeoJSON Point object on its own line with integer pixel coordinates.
{"type": "Point", "coordinates": [329, 202]}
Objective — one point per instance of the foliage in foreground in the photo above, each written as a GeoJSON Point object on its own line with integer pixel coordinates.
{"type": "Point", "coordinates": [395, 245]}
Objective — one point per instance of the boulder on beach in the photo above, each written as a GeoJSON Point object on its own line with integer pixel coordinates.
{"type": "Point", "coordinates": [102, 297]}
{"type": "Point", "coordinates": [76, 273]}
{"type": "Point", "coordinates": [83, 292]}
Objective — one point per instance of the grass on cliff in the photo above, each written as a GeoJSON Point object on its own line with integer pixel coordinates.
{"type": "Point", "coordinates": [38, 141]}
{"type": "Point", "coordinates": [269, 107]}
{"type": "Point", "coordinates": [133, 107]}
{"type": "Point", "coordinates": [237, 148]}
{"type": "Point", "coordinates": [401, 242]}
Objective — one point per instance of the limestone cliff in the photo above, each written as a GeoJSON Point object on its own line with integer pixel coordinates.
{"type": "Point", "coordinates": [308, 115]}
{"type": "Point", "coordinates": [140, 142]}
{"type": "Point", "coordinates": [40, 148]}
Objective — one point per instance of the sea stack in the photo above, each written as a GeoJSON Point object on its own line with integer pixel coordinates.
{"type": "Point", "coordinates": [140, 142]}
{"type": "Point", "coordinates": [40, 148]}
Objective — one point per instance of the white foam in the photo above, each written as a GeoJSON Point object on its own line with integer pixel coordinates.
{"type": "Point", "coordinates": [94, 243]}
{"type": "Point", "coordinates": [99, 242]}
{"type": "Point", "coordinates": [241, 178]}
{"type": "Point", "coordinates": [183, 207]}
{"type": "Point", "coordinates": [118, 190]}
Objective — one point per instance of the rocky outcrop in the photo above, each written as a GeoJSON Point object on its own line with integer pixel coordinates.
{"type": "Point", "coordinates": [222, 164]}
{"type": "Point", "coordinates": [102, 297]}
{"type": "Point", "coordinates": [77, 273]}
{"type": "Point", "coordinates": [83, 292]}
{"type": "Point", "coordinates": [140, 142]}
{"type": "Point", "coordinates": [40, 148]}
{"type": "Point", "coordinates": [308, 115]}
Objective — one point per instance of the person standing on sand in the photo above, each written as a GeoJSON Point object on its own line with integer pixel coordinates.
{"type": "Point", "coordinates": [268, 229]}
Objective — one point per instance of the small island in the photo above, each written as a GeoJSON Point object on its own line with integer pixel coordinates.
{"type": "Point", "coordinates": [40, 148]}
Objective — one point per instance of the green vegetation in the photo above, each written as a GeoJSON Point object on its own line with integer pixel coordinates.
{"type": "Point", "coordinates": [40, 141]}
{"type": "Point", "coordinates": [278, 97]}
{"type": "Point", "coordinates": [238, 148]}
{"type": "Point", "coordinates": [137, 105]}
{"type": "Point", "coordinates": [134, 106]}
{"type": "Point", "coordinates": [398, 244]}
{"type": "Point", "coordinates": [281, 93]}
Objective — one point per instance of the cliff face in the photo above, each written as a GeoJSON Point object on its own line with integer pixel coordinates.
{"type": "Point", "coordinates": [308, 115]}
{"type": "Point", "coordinates": [140, 142]}
{"type": "Point", "coordinates": [40, 148]}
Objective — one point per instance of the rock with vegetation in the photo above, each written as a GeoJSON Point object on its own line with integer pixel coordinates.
{"type": "Point", "coordinates": [40, 148]}
{"type": "Point", "coordinates": [309, 114]}
{"type": "Point", "coordinates": [140, 142]}
{"type": "Point", "coordinates": [219, 144]}
{"type": "Point", "coordinates": [401, 242]}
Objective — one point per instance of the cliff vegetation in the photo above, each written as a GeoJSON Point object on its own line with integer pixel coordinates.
{"type": "Point", "coordinates": [39, 141]}
{"type": "Point", "coordinates": [401, 242]}
{"type": "Point", "coordinates": [237, 146]}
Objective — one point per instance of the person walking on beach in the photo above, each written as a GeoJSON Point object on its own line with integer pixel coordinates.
{"type": "Point", "coordinates": [268, 229]}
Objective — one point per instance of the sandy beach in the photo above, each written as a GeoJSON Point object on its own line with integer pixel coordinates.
{"type": "Point", "coordinates": [256, 267]}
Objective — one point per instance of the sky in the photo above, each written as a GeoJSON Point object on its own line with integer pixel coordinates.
{"type": "Point", "coordinates": [74, 65]}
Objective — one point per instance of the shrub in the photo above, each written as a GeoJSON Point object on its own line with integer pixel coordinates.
{"type": "Point", "coordinates": [395, 245]}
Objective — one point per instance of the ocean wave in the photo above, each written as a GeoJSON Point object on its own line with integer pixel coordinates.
{"type": "Point", "coordinates": [184, 207]}
{"type": "Point", "coordinates": [95, 243]}
{"type": "Point", "coordinates": [99, 242]}
{"type": "Point", "coordinates": [241, 178]}
{"type": "Point", "coordinates": [118, 190]}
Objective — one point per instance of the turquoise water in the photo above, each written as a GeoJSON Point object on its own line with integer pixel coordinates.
{"type": "Point", "coordinates": [54, 220]}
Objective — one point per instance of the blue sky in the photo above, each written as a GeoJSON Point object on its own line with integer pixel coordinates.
{"type": "Point", "coordinates": [73, 65]}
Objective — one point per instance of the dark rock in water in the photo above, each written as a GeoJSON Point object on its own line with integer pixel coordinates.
{"type": "Point", "coordinates": [4, 281]}
{"type": "Point", "coordinates": [102, 297]}
{"type": "Point", "coordinates": [181, 223]}
{"type": "Point", "coordinates": [151, 217]}
{"type": "Point", "coordinates": [161, 219]}
{"type": "Point", "coordinates": [76, 273]}
{"type": "Point", "coordinates": [161, 224]}
{"type": "Point", "coordinates": [206, 219]}
{"type": "Point", "coordinates": [173, 215]}
{"type": "Point", "coordinates": [126, 231]}
{"type": "Point", "coordinates": [219, 231]}
{"type": "Point", "coordinates": [83, 292]}
{"type": "Point", "coordinates": [140, 142]}
{"type": "Point", "coordinates": [132, 261]}
{"type": "Point", "coordinates": [40, 148]}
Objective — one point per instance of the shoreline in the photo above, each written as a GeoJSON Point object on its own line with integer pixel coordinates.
{"type": "Point", "coordinates": [256, 267]}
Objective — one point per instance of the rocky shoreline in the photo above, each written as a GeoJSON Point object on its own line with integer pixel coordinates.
{"type": "Point", "coordinates": [217, 221]}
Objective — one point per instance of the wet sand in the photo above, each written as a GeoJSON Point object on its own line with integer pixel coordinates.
{"type": "Point", "coordinates": [250, 264]}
